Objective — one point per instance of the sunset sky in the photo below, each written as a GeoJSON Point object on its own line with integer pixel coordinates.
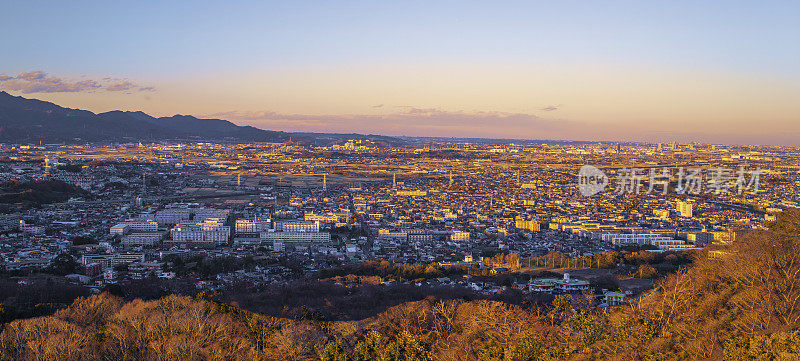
{"type": "Point", "coordinates": [710, 71]}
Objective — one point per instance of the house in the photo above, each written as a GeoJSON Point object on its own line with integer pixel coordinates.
{"type": "Point", "coordinates": [550, 285]}
{"type": "Point", "coordinates": [614, 298]}
{"type": "Point", "coordinates": [542, 285]}
{"type": "Point", "coordinates": [499, 270]}
{"type": "Point", "coordinates": [572, 285]}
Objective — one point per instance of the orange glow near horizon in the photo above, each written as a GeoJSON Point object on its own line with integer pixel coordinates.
{"type": "Point", "coordinates": [554, 102]}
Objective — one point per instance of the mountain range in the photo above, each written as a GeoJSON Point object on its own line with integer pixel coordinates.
{"type": "Point", "coordinates": [24, 120]}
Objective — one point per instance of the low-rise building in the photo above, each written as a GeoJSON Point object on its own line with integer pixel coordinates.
{"type": "Point", "coordinates": [148, 239]}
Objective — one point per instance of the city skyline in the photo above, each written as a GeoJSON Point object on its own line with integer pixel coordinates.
{"type": "Point", "coordinates": [721, 73]}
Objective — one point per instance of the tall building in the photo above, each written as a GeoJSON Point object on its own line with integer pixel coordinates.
{"type": "Point", "coordinates": [684, 208]}
{"type": "Point", "coordinates": [49, 164]}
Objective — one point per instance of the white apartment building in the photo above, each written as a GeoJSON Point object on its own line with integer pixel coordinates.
{"type": "Point", "coordinates": [202, 214]}
{"type": "Point", "coordinates": [119, 229]}
{"type": "Point", "coordinates": [208, 233]}
{"type": "Point", "coordinates": [298, 226]}
{"type": "Point", "coordinates": [664, 243]}
{"type": "Point", "coordinates": [111, 260]}
{"type": "Point", "coordinates": [142, 239]}
{"type": "Point", "coordinates": [134, 226]}
{"type": "Point", "coordinates": [252, 226]}
{"type": "Point", "coordinates": [296, 237]}
{"type": "Point", "coordinates": [172, 215]}
{"type": "Point", "coordinates": [323, 218]}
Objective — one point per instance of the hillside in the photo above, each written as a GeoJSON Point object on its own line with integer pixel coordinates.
{"type": "Point", "coordinates": [25, 120]}
{"type": "Point", "coordinates": [743, 304]}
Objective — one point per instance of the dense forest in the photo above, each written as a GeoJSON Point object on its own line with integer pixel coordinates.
{"type": "Point", "coordinates": [740, 304]}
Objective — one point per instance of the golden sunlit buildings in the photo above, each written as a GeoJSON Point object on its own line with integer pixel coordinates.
{"type": "Point", "coordinates": [252, 225]}
{"type": "Point", "coordinates": [528, 225]}
{"type": "Point", "coordinates": [684, 209]}
{"type": "Point", "coordinates": [416, 193]}
{"type": "Point", "coordinates": [297, 226]}
{"type": "Point", "coordinates": [459, 236]}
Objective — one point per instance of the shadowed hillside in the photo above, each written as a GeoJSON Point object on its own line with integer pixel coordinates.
{"type": "Point", "coordinates": [25, 120]}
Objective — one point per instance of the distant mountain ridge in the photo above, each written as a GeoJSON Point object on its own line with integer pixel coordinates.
{"type": "Point", "coordinates": [24, 120]}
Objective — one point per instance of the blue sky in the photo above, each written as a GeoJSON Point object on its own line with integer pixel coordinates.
{"type": "Point", "coordinates": [229, 49]}
{"type": "Point", "coordinates": [151, 37]}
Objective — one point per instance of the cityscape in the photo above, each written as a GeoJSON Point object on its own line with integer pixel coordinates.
{"type": "Point", "coordinates": [390, 231]}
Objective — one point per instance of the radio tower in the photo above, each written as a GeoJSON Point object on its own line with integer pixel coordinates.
{"type": "Point", "coordinates": [394, 180]}
{"type": "Point", "coordinates": [324, 182]}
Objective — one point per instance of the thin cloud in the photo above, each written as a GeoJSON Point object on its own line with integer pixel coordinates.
{"type": "Point", "coordinates": [410, 121]}
{"type": "Point", "coordinates": [121, 86]}
{"type": "Point", "coordinates": [38, 81]}
{"type": "Point", "coordinates": [550, 108]}
{"type": "Point", "coordinates": [32, 75]}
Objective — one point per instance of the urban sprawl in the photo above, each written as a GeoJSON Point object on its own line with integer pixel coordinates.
{"type": "Point", "coordinates": [131, 210]}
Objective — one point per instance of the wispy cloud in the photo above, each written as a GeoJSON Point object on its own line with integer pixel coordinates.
{"type": "Point", "coordinates": [39, 81]}
{"type": "Point", "coordinates": [411, 121]}
{"type": "Point", "coordinates": [121, 86]}
{"type": "Point", "coordinates": [32, 75]}
{"type": "Point", "coordinates": [550, 108]}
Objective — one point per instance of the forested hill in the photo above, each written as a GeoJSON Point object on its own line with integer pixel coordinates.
{"type": "Point", "coordinates": [741, 304]}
